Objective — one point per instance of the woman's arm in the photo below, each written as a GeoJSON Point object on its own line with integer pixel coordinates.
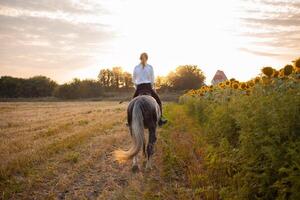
{"type": "Point", "coordinates": [152, 77]}
{"type": "Point", "coordinates": [134, 77]}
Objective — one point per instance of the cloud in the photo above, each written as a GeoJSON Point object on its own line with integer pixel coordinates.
{"type": "Point", "coordinates": [68, 6]}
{"type": "Point", "coordinates": [43, 35]}
{"type": "Point", "coordinates": [272, 24]}
{"type": "Point", "coordinates": [259, 53]}
{"type": "Point", "coordinates": [285, 22]}
{"type": "Point", "coordinates": [279, 3]}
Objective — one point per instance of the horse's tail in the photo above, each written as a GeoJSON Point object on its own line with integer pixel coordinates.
{"type": "Point", "coordinates": [137, 132]}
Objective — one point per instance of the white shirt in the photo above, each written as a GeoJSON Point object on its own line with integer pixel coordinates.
{"type": "Point", "coordinates": [143, 74]}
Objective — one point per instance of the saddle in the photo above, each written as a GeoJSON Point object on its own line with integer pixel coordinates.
{"type": "Point", "coordinates": [144, 92]}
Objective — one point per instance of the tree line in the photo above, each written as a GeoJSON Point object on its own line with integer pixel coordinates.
{"type": "Point", "coordinates": [115, 79]}
{"type": "Point", "coordinates": [38, 86]}
{"type": "Point", "coordinates": [184, 77]}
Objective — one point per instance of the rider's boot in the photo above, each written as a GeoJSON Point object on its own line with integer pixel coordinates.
{"type": "Point", "coordinates": [162, 121]}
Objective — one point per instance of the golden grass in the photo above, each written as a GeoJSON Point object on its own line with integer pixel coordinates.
{"type": "Point", "coordinates": [63, 150]}
{"type": "Point", "coordinates": [37, 140]}
{"type": "Point", "coordinates": [176, 162]}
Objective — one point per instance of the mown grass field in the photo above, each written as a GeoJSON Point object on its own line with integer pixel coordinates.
{"type": "Point", "coordinates": [60, 150]}
{"type": "Point", "coordinates": [63, 150]}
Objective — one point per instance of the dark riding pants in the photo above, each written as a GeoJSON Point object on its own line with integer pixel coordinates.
{"type": "Point", "coordinates": [147, 88]}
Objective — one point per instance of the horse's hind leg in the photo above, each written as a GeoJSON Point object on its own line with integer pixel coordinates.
{"type": "Point", "coordinates": [135, 166]}
{"type": "Point", "coordinates": [150, 146]}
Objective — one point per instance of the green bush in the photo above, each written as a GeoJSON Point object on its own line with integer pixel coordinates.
{"type": "Point", "coordinates": [252, 142]}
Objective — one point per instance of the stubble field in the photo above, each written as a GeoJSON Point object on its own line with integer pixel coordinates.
{"type": "Point", "coordinates": [61, 150]}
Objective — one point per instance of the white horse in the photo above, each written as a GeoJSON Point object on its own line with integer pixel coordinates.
{"type": "Point", "coordinates": [142, 112]}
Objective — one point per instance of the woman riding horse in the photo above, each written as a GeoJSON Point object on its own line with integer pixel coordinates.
{"type": "Point", "coordinates": [143, 79]}
{"type": "Point", "coordinates": [144, 111]}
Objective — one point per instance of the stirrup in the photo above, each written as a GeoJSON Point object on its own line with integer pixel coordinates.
{"type": "Point", "coordinates": [161, 122]}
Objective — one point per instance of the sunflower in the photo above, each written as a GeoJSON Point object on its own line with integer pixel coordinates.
{"type": "Point", "coordinates": [251, 83]}
{"type": "Point", "coordinates": [256, 80]}
{"type": "Point", "coordinates": [281, 73]}
{"type": "Point", "coordinates": [265, 80]}
{"type": "Point", "coordinates": [268, 71]}
{"type": "Point", "coordinates": [227, 83]}
{"type": "Point", "coordinates": [222, 85]}
{"type": "Point", "coordinates": [235, 85]}
{"type": "Point", "coordinates": [192, 92]}
{"type": "Point", "coordinates": [204, 88]}
{"type": "Point", "coordinates": [297, 63]}
{"type": "Point", "coordinates": [287, 70]}
{"type": "Point", "coordinates": [243, 86]}
{"type": "Point", "coordinates": [275, 73]}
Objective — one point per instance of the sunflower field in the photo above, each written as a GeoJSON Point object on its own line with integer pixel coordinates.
{"type": "Point", "coordinates": [250, 136]}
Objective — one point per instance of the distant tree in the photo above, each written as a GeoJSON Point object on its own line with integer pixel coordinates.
{"type": "Point", "coordinates": [161, 84]}
{"type": "Point", "coordinates": [186, 77]}
{"type": "Point", "coordinates": [110, 78]}
{"type": "Point", "coordinates": [38, 86]}
{"type": "Point", "coordinates": [160, 81]}
{"type": "Point", "coordinates": [127, 80]}
{"type": "Point", "coordinates": [106, 78]}
{"type": "Point", "coordinates": [10, 86]}
{"type": "Point", "coordinates": [79, 89]}
{"type": "Point", "coordinates": [115, 79]}
{"type": "Point", "coordinates": [102, 77]}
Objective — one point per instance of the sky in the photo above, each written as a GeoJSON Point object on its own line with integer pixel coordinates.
{"type": "Point", "coordinates": [63, 39]}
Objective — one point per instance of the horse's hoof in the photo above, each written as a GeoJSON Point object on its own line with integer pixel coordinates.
{"type": "Point", "coordinates": [135, 169]}
{"type": "Point", "coordinates": [148, 167]}
{"type": "Point", "coordinates": [144, 164]}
